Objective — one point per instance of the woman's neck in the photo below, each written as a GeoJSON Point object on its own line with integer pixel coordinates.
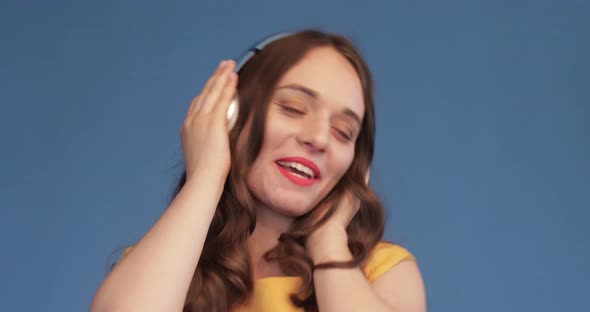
{"type": "Point", "coordinates": [269, 226]}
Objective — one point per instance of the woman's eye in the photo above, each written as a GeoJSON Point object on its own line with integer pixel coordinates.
{"type": "Point", "coordinates": [291, 110]}
{"type": "Point", "coordinates": [344, 134]}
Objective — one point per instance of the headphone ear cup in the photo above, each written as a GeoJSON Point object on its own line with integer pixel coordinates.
{"type": "Point", "coordinates": [232, 112]}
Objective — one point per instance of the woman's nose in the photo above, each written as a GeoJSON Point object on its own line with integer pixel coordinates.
{"type": "Point", "coordinates": [314, 134]}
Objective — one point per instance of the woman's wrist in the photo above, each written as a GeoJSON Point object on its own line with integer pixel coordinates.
{"type": "Point", "coordinates": [329, 243]}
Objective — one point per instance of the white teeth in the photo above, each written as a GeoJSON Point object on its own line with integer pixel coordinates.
{"type": "Point", "coordinates": [297, 166]}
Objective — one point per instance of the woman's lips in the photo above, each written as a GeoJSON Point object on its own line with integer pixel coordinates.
{"type": "Point", "coordinates": [303, 161]}
{"type": "Point", "coordinates": [301, 181]}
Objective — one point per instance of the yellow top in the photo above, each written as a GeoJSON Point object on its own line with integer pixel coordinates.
{"type": "Point", "coordinates": [272, 293]}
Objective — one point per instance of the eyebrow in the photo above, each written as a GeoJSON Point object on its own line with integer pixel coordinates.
{"type": "Point", "coordinates": [300, 88]}
{"type": "Point", "coordinates": [313, 94]}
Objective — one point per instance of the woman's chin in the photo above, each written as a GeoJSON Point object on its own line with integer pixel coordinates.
{"type": "Point", "coordinates": [292, 208]}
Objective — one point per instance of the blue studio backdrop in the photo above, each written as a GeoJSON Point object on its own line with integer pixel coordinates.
{"type": "Point", "coordinates": [482, 155]}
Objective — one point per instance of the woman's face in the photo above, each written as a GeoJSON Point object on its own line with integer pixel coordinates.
{"type": "Point", "coordinates": [312, 124]}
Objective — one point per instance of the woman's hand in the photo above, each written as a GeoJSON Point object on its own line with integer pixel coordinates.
{"type": "Point", "coordinates": [204, 133]}
{"type": "Point", "coordinates": [330, 242]}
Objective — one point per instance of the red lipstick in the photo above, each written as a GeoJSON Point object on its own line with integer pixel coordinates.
{"type": "Point", "coordinates": [299, 180]}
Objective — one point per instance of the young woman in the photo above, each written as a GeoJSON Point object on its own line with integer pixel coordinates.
{"type": "Point", "coordinates": [277, 215]}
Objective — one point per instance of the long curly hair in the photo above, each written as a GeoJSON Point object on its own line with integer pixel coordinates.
{"type": "Point", "coordinates": [223, 277]}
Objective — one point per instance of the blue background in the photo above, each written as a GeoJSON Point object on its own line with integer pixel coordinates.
{"type": "Point", "coordinates": [482, 150]}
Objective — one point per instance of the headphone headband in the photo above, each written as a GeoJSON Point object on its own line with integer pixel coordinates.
{"type": "Point", "coordinates": [259, 47]}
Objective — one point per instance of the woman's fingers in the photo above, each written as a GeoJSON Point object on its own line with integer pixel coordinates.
{"type": "Point", "coordinates": [349, 206]}
{"type": "Point", "coordinates": [196, 102]}
{"type": "Point", "coordinates": [212, 95]}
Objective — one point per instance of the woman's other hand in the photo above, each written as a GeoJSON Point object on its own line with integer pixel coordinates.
{"type": "Point", "coordinates": [330, 242]}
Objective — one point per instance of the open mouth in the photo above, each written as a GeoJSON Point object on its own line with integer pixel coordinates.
{"type": "Point", "coordinates": [297, 169]}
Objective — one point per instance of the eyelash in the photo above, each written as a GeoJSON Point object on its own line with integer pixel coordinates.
{"type": "Point", "coordinates": [344, 135]}
{"type": "Point", "coordinates": [291, 110]}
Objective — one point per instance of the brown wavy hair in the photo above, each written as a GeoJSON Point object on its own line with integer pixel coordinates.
{"type": "Point", "coordinates": [223, 277]}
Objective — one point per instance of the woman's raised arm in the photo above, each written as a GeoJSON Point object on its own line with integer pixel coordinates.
{"type": "Point", "coordinates": [156, 275]}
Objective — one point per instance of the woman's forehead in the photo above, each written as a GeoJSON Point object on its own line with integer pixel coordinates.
{"type": "Point", "coordinates": [330, 76]}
